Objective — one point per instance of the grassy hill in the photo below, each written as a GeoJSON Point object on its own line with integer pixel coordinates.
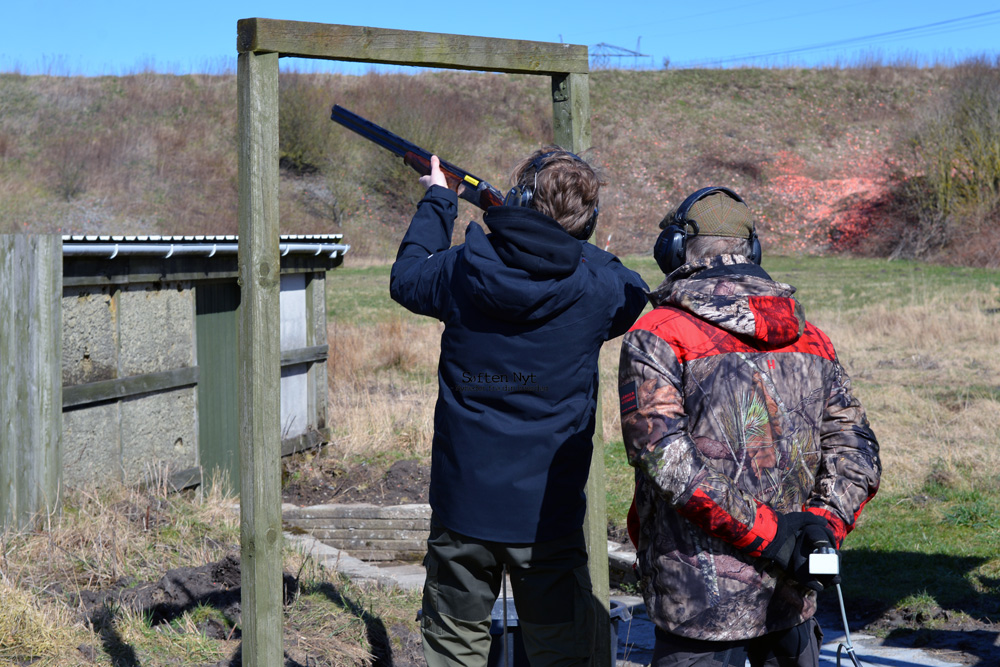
{"type": "Point", "coordinates": [862, 161]}
{"type": "Point", "coordinates": [829, 159]}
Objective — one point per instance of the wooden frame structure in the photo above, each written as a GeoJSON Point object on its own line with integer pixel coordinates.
{"type": "Point", "coordinates": [260, 42]}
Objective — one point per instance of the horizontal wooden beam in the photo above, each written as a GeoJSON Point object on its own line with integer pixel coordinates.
{"type": "Point", "coordinates": [304, 441]}
{"type": "Point", "coordinates": [304, 355]}
{"type": "Point", "coordinates": [406, 47]}
{"type": "Point", "coordinates": [105, 390]}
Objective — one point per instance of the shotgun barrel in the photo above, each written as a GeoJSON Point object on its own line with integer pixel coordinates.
{"type": "Point", "coordinates": [469, 187]}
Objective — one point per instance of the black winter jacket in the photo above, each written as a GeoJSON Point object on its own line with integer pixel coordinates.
{"type": "Point", "coordinates": [526, 310]}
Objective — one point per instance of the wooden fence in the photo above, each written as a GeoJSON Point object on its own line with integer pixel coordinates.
{"type": "Point", "coordinates": [30, 376]}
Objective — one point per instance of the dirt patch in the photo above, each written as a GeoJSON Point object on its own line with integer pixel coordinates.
{"type": "Point", "coordinates": [945, 634]}
{"type": "Point", "coordinates": [322, 481]}
{"type": "Point", "coordinates": [217, 585]}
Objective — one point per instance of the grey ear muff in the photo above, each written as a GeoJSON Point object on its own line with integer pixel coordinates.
{"type": "Point", "coordinates": [671, 245]}
{"type": "Point", "coordinates": [521, 195]}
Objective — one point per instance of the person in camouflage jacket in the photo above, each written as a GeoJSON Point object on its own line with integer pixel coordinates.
{"type": "Point", "coordinates": [749, 448]}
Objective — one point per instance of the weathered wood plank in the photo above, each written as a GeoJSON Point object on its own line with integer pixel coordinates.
{"type": "Point", "coordinates": [595, 527]}
{"type": "Point", "coordinates": [104, 390]}
{"type": "Point", "coordinates": [84, 271]}
{"type": "Point", "coordinates": [571, 124]}
{"type": "Point", "coordinates": [401, 523]}
{"type": "Point", "coordinates": [304, 355]}
{"type": "Point", "coordinates": [405, 47]}
{"type": "Point", "coordinates": [304, 441]}
{"type": "Point", "coordinates": [259, 360]}
{"type": "Point", "coordinates": [422, 525]}
{"type": "Point", "coordinates": [365, 526]}
{"type": "Point", "coordinates": [30, 377]}
{"type": "Point", "coordinates": [571, 111]}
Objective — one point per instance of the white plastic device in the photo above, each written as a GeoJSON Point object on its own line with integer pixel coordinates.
{"type": "Point", "coordinates": [824, 560]}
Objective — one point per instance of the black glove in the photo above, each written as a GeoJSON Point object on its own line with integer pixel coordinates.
{"type": "Point", "coordinates": [810, 540]}
{"type": "Point", "coordinates": [799, 534]}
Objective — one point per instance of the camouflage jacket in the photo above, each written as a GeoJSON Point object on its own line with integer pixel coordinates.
{"type": "Point", "coordinates": [734, 408]}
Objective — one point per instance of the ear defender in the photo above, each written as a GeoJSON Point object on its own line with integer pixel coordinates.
{"type": "Point", "coordinates": [521, 195]}
{"type": "Point", "coordinates": [670, 247]}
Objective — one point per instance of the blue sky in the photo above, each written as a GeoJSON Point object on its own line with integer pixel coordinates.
{"type": "Point", "coordinates": [114, 37]}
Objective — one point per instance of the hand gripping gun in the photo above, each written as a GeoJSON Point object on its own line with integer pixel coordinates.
{"type": "Point", "coordinates": [470, 188]}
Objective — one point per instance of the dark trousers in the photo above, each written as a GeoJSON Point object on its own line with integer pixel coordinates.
{"type": "Point", "coordinates": [796, 647]}
{"type": "Point", "coordinates": [550, 583]}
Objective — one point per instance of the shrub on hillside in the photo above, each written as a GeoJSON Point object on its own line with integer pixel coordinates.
{"type": "Point", "coordinates": [955, 152]}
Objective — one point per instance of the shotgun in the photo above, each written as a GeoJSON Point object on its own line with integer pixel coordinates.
{"type": "Point", "coordinates": [472, 189]}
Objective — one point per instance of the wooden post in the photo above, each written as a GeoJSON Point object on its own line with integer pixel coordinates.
{"type": "Point", "coordinates": [259, 361]}
{"type": "Point", "coordinates": [571, 110]}
{"type": "Point", "coordinates": [571, 122]}
{"type": "Point", "coordinates": [30, 377]}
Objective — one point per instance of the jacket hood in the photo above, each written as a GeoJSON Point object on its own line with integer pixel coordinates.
{"type": "Point", "coordinates": [526, 268]}
{"type": "Point", "coordinates": [734, 294]}
{"type": "Point", "coordinates": [526, 239]}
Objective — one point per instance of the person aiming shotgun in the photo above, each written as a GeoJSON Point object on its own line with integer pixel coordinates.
{"type": "Point", "coordinates": [526, 309]}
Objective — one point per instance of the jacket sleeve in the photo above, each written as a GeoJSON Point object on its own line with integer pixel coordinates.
{"type": "Point", "coordinates": [660, 447]}
{"type": "Point", "coordinates": [629, 290]}
{"type": "Point", "coordinates": [850, 467]}
{"type": "Point", "coordinates": [417, 277]}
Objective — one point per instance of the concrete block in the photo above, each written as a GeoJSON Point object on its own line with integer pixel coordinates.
{"type": "Point", "coordinates": [159, 433]}
{"type": "Point", "coordinates": [89, 335]}
{"type": "Point", "coordinates": [91, 448]}
{"type": "Point", "coordinates": [157, 324]}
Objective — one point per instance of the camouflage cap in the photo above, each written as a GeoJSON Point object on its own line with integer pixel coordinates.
{"type": "Point", "coordinates": [718, 214]}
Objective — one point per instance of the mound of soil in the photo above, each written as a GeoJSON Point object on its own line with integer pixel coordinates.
{"type": "Point", "coordinates": [218, 585]}
{"type": "Point", "coordinates": [321, 481]}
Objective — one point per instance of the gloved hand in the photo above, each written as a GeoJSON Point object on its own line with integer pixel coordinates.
{"type": "Point", "coordinates": [810, 540]}
{"type": "Point", "coordinates": [798, 534]}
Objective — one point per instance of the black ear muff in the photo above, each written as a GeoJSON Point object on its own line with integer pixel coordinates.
{"type": "Point", "coordinates": [588, 229]}
{"type": "Point", "coordinates": [755, 252]}
{"type": "Point", "coordinates": [670, 247]}
{"type": "Point", "coordinates": [519, 195]}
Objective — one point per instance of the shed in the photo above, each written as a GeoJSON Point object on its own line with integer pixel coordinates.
{"type": "Point", "coordinates": [149, 358]}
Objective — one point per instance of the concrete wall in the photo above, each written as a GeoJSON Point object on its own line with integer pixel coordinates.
{"type": "Point", "coordinates": [118, 332]}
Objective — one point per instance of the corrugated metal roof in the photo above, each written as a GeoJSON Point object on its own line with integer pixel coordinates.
{"type": "Point", "coordinates": [192, 239]}
{"type": "Point", "coordinates": [208, 246]}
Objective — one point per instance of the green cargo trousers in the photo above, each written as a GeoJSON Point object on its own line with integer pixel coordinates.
{"type": "Point", "coordinates": [551, 588]}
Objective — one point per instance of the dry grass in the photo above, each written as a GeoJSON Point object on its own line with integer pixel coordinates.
{"type": "Point", "coordinates": [383, 386]}
{"type": "Point", "coordinates": [814, 150]}
{"type": "Point", "coordinates": [926, 370]}
{"type": "Point", "coordinates": [103, 536]}
{"type": "Point", "coordinates": [35, 630]}
{"type": "Point", "coordinates": [125, 536]}
{"type": "Point", "coordinates": [927, 374]}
